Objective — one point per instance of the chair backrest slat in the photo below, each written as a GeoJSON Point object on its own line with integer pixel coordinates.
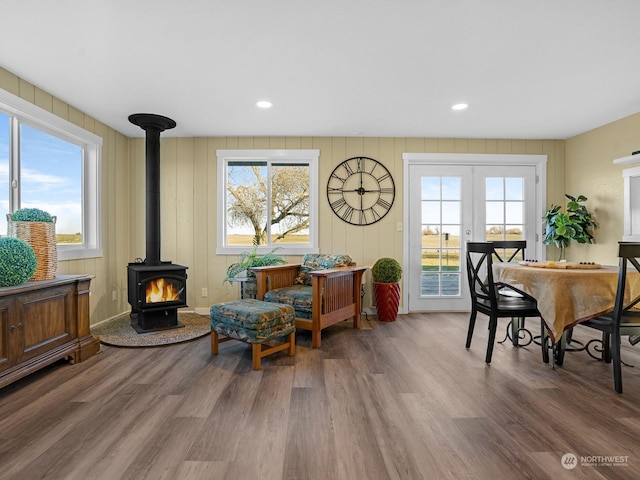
{"type": "Point", "coordinates": [480, 271]}
{"type": "Point", "coordinates": [512, 250]}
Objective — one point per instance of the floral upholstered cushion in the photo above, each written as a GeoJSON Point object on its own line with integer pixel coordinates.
{"type": "Point", "coordinates": [322, 260]}
{"type": "Point", "coordinates": [298, 296]}
{"type": "Point", "coordinates": [318, 261]}
{"type": "Point", "coordinates": [303, 277]}
{"type": "Point", "coordinates": [252, 321]}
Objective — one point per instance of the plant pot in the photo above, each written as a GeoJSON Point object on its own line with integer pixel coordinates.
{"type": "Point", "coordinates": [250, 288]}
{"type": "Point", "coordinates": [387, 297]}
{"type": "Point", "coordinates": [41, 237]}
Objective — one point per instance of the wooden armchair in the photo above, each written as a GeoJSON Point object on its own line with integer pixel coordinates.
{"type": "Point", "coordinates": [321, 296]}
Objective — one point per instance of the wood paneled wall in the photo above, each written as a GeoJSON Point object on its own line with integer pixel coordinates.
{"type": "Point", "coordinates": [188, 199]}
{"type": "Point", "coordinates": [189, 210]}
{"type": "Point", "coordinates": [109, 271]}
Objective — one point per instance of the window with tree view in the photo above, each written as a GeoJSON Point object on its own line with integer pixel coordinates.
{"type": "Point", "coordinates": [269, 199]}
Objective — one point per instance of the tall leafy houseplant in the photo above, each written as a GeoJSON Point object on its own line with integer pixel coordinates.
{"type": "Point", "coordinates": [252, 259]}
{"type": "Point", "coordinates": [386, 273]}
{"type": "Point", "coordinates": [576, 224]}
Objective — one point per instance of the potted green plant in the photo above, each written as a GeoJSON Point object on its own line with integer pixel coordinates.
{"type": "Point", "coordinates": [37, 228]}
{"type": "Point", "coordinates": [576, 224]}
{"type": "Point", "coordinates": [242, 269]}
{"type": "Point", "coordinates": [386, 273]}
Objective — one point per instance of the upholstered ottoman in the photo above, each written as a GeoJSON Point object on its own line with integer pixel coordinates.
{"type": "Point", "coordinates": [254, 322]}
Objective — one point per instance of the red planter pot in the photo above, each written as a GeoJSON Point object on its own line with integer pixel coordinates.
{"type": "Point", "coordinates": [387, 300]}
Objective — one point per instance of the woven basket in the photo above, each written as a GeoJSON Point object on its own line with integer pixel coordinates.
{"type": "Point", "coordinates": [41, 236]}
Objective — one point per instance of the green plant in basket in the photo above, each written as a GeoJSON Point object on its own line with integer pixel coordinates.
{"type": "Point", "coordinates": [17, 261]}
{"type": "Point", "coordinates": [31, 215]}
{"type": "Point", "coordinates": [386, 270]}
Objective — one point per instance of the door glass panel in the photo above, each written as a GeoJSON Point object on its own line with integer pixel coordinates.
{"type": "Point", "coordinates": [504, 207]}
{"type": "Point", "coordinates": [441, 216]}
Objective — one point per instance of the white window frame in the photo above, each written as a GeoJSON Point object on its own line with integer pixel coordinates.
{"type": "Point", "coordinates": [309, 157]}
{"type": "Point", "coordinates": [26, 112]}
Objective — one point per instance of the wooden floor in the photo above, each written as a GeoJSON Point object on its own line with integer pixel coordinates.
{"type": "Point", "coordinates": [401, 400]}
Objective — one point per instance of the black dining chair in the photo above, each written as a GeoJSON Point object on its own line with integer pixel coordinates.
{"type": "Point", "coordinates": [484, 294]}
{"type": "Point", "coordinates": [512, 251]}
{"type": "Point", "coordinates": [509, 250]}
{"type": "Point", "coordinates": [625, 318]}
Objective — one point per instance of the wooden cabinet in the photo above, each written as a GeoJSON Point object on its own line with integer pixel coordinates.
{"type": "Point", "coordinates": [42, 322]}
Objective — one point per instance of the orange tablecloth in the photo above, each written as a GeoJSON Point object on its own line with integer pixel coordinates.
{"type": "Point", "coordinates": [567, 296]}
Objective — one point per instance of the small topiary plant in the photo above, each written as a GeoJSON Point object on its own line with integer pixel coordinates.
{"type": "Point", "coordinates": [17, 261]}
{"type": "Point", "coordinates": [31, 215]}
{"type": "Point", "coordinates": [386, 270]}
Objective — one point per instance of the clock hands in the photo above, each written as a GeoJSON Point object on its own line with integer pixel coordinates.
{"type": "Point", "coordinates": [361, 191]}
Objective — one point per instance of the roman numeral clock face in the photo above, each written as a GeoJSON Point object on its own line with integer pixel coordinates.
{"type": "Point", "coordinates": [361, 191]}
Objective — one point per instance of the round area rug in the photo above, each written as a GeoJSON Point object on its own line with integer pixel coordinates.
{"type": "Point", "coordinates": [120, 333]}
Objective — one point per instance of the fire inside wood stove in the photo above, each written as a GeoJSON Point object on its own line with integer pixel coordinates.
{"type": "Point", "coordinates": [163, 290]}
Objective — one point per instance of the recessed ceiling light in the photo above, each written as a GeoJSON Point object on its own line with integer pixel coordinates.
{"type": "Point", "coordinates": [264, 104]}
{"type": "Point", "coordinates": [459, 106]}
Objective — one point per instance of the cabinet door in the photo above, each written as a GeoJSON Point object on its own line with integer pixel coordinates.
{"type": "Point", "coordinates": [7, 335]}
{"type": "Point", "coordinates": [47, 319]}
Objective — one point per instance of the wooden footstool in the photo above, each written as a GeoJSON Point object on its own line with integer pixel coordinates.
{"type": "Point", "coordinates": [254, 322]}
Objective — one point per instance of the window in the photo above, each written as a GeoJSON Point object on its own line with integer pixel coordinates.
{"type": "Point", "coordinates": [49, 163]}
{"type": "Point", "coordinates": [504, 206]}
{"type": "Point", "coordinates": [269, 197]}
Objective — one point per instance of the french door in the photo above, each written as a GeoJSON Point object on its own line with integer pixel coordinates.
{"type": "Point", "coordinates": [449, 205]}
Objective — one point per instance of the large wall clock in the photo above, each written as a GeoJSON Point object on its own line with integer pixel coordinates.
{"type": "Point", "coordinates": [361, 191]}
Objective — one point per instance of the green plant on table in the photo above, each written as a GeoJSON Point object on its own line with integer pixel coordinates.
{"type": "Point", "coordinates": [31, 215]}
{"type": "Point", "coordinates": [17, 261]}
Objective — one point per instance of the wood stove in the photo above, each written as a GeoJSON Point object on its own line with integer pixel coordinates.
{"type": "Point", "coordinates": [155, 294]}
{"type": "Point", "coordinates": [156, 289]}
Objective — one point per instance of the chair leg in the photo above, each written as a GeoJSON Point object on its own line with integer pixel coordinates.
{"type": "Point", "coordinates": [472, 324]}
{"type": "Point", "coordinates": [292, 344]}
{"type": "Point", "coordinates": [617, 362]}
{"type": "Point", "coordinates": [606, 347]}
{"type": "Point", "coordinates": [315, 338]}
{"type": "Point", "coordinates": [493, 326]}
{"type": "Point", "coordinates": [214, 343]}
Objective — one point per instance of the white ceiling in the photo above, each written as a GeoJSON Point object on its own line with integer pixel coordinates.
{"type": "Point", "coordinates": [527, 68]}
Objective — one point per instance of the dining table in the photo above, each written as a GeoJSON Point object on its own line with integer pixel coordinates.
{"type": "Point", "coordinates": [567, 293]}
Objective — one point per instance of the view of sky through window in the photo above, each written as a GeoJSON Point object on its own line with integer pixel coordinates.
{"type": "Point", "coordinates": [50, 172]}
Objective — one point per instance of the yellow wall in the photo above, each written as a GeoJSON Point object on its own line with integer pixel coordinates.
{"type": "Point", "coordinates": [590, 172]}
{"type": "Point", "coordinates": [582, 164]}
{"type": "Point", "coordinates": [110, 270]}
{"type": "Point", "coordinates": [188, 198]}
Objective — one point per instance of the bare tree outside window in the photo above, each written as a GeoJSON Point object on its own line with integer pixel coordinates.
{"type": "Point", "coordinates": [267, 199]}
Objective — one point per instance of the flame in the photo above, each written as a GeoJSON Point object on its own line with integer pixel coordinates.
{"type": "Point", "coordinates": [161, 290]}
